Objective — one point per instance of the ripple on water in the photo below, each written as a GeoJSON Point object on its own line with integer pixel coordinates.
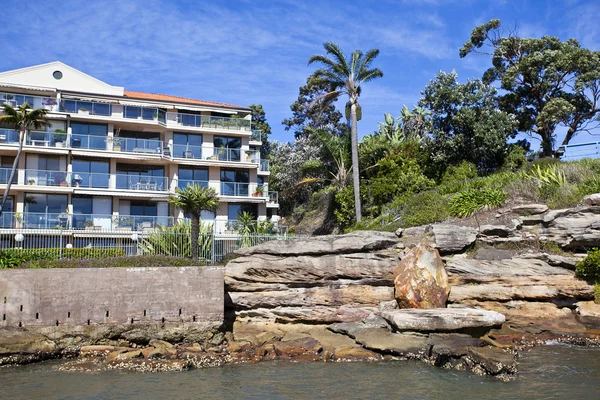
{"type": "Point", "coordinates": [563, 372]}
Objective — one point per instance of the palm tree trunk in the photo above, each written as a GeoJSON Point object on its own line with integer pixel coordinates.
{"type": "Point", "coordinates": [195, 235]}
{"type": "Point", "coordinates": [22, 134]}
{"type": "Point", "coordinates": [355, 175]}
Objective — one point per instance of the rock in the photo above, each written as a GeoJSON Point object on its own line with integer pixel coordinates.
{"type": "Point", "coordinates": [442, 319]}
{"type": "Point", "coordinates": [398, 232]}
{"type": "Point", "coordinates": [493, 360]}
{"type": "Point", "coordinates": [420, 279]}
{"type": "Point", "coordinates": [588, 309]}
{"type": "Point", "coordinates": [490, 253]}
{"type": "Point", "coordinates": [15, 340]}
{"type": "Point", "coordinates": [520, 310]}
{"type": "Point", "coordinates": [95, 350]}
{"type": "Point", "coordinates": [305, 348]}
{"type": "Point", "coordinates": [568, 262]}
{"type": "Point", "coordinates": [417, 231]}
{"type": "Point", "coordinates": [530, 209]}
{"type": "Point", "coordinates": [356, 242]}
{"type": "Point", "coordinates": [468, 267]}
{"type": "Point", "coordinates": [592, 199]}
{"type": "Point", "coordinates": [502, 231]}
{"type": "Point", "coordinates": [388, 305]}
{"type": "Point", "coordinates": [310, 315]}
{"type": "Point", "coordinates": [124, 355]}
{"type": "Point", "coordinates": [453, 238]}
{"type": "Point", "coordinates": [383, 341]}
{"type": "Point", "coordinates": [350, 353]}
{"type": "Point", "coordinates": [574, 228]}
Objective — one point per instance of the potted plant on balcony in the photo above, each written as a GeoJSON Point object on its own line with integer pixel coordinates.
{"type": "Point", "coordinates": [258, 192]}
{"type": "Point", "coordinates": [18, 220]}
{"type": "Point", "coordinates": [83, 110]}
{"type": "Point", "coordinates": [31, 181]}
{"type": "Point", "coordinates": [59, 136]}
{"type": "Point", "coordinates": [88, 225]}
{"type": "Point", "coordinates": [116, 143]}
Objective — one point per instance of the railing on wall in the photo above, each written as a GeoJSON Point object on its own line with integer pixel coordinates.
{"type": "Point", "coordinates": [578, 151]}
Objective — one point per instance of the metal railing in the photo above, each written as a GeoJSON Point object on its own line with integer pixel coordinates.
{"type": "Point", "coordinates": [581, 150]}
{"type": "Point", "coordinates": [183, 183]}
{"type": "Point", "coordinates": [145, 113]}
{"type": "Point", "coordinates": [15, 100]}
{"type": "Point", "coordinates": [235, 189]}
{"type": "Point", "coordinates": [86, 107]}
{"type": "Point", "coordinates": [208, 121]}
{"type": "Point", "coordinates": [46, 178]}
{"type": "Point", "coordinates": [136, 182]}
{"type": "Point", "coordinates": [141, 222]}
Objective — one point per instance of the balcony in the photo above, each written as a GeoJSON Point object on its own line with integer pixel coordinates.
{"type": "Point", "coordinates": [9, 220]}
{"type": "Point", "coordinates": [15, 100]}
{"type": "Point", "coordinates": [145, 113]}
{"type": "Point", "coordinates": [188, 151]}
{"type": "Point", "coordinates": [256, 136]}
{"type": "Point", "coordinates": [5, 175]}
{"type": "Point", "coordinates": [142, 183]}
{"type": "Point", "coordinates": [45, 220]}
{"type": "Point", "coordinates": [141, 222]}
{"type": "Point", "coordinates": [211, 122]}
{"type": "Point", "coordinates": [90, 180]}
{"type": "Point", "coordinates": [9, 136]}
{"type": "Point", "coordinates": [273, 198]}
{"type": "Point", "coordinates": [134, 145]}
{"type": "Point", "coordinates": [89, 142]}
{"type": "Point", "coordinates": [235, 189]}
{"type": "Point", "coordinates": [264, 166]}
{"type": "Point", "coordinates": [86, 107]}
{"type": "Point", "coordinates": [37, 177]}
{"type": "Point", "coordinates": [183, 183]}
{"type": "Point", "coordinates": [91, 222]}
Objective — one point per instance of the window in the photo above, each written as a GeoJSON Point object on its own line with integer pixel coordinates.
{"type": "Point", "coordinates": [57, 75]}
{"type": "Point", "coordinates": [44, 210]}
{"type": "Point", "coordinates": [227, 148]}
{"type": "Point", "coordinates": [187, 145]}
{"type": "Point", "coordinates": [6, 163]}
{"type": "Point", "coordinates": [140, 142]}
{"type": "Point", "coordinates": [137, 177]}
{"type": "Point", "coordinates": [234, 210]}
{"type": "Point", "coordinates": [141, 112]}
{"type": "Point", "coordinates": [235, 175]}
{"type": "Point", "coordinates": [90, 173]}
{"type": "Point", "coordinates": [191, 176]}
{"type": "Point", "coordinates": [235, 182]}
{"type": "Point", "coordinates": [7, 218]}
{"type": "Point", "coordinates": [89, 136]}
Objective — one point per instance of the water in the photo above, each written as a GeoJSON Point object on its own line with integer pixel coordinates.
{"type": "Point", "coordinates": [552, 372]}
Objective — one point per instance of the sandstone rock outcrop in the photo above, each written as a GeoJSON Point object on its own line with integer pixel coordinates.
{"type": "Point", "coordinates": [420, 280]}
{"type": "Point", "coordinates": [453, 239]}
{"type": "Point", "coordinates": [441, 319]}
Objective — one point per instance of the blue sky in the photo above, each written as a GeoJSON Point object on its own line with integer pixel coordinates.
{"type": "Point", "coordinates": [245, 52]}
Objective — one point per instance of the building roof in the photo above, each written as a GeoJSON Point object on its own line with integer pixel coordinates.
{"type": "Point", "coordinates": [177, 99]}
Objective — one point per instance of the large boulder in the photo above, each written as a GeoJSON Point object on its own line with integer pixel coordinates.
{"type": "Point", "coordinates": [453, 238]}
{"type": "Point", "coordinates": [420, 279]}
{"type": "Point", "coordinates": [573, 228]}
{"type": "Point", "coordinates": [442, 319]}
{"type": "Point", "coordinates": [356, 242]}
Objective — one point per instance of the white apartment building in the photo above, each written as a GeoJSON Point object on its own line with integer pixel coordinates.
{"type": "Point", "coordinates": [112, 158]}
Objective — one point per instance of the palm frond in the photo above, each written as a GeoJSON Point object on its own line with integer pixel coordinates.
{"type": "Point", "coordinates": [338, 55]}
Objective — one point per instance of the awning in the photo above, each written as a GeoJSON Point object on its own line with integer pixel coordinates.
{"type": "Point", "coordinates": [138, 104]}
{"type": "Point", "coordinates": [84, 98]}
{"type": "Point", "coordinates": [16, 85]}
{"type": "Point", "coordinates": [202, 108]}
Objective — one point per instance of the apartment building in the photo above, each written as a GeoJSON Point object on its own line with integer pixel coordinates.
{"type": "Point", "coordinates": [112, 158]}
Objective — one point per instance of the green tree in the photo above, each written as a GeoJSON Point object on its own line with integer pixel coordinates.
{"type": "Point", "coordinates": [193, 200]}
{"type": "Point", "coordinates": [547, 82]}
{"type": "Point", "coordinates": [345, 76]}
{"type": "Point", "coordinates": [259, 123]}
{"type": "Point", "coordinates": [307, 114]}
{"type": "Point", "coordinates": [466, 123]}
{"type": "Point", "coordinates": [23, 119]}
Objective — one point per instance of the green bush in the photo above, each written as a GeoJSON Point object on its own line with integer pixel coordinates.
{"type": "Point", "coordinates": [589, 268]}
{"type": "Point", "coordinates": [459, 173]}
{"type": "Point", "coordinates": [468, 202]}
{"type": "Point", "coordinates": [113, 262]}
{"type": "Point", "coordinates": [419, 209]}
{"type": "Point", "coordinates": [14, 258]}
{"type": "Point", "coordinates": [515, 159]}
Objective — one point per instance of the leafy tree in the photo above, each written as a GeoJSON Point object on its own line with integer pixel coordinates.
{"type": "Point", "coordinates": [466, 123]}
{"type": "Point", "coordinates": [415, 123]}
{"type": "Point", "coordinates": [23, 119]}
{"type": "Point", "coordinates": [259, 123]}
{"type": "Point", "coordinates": [345, 76]}
{"type": "Point", "coordinates": [547, 82]}
{"type": "Point", "coordinates": [193, 200]}
{"type": "Point", "coordinates": [309, 114]}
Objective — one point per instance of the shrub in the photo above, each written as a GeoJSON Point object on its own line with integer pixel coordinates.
{"type": "Point", "coordinates": [515, 159]}
{"type": "Point", "coordinates": [589, 268]}
{"type": "Point", "coordinates": [468, 202]}
{"type": "Point", "coordinates": [113, 262]}
{"type": "Point", "coordinates": [177, 240]}
{"type": "Point", "coordinates": [459, 173]}
{"type": "Point", "coordinates": [419, 209]}
{"type": "Point", "coordinates": [14, 258]}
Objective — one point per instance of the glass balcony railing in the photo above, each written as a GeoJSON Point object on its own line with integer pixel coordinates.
{"type": "Point", "coordinates": [15, 100]}
{"type": "Point", "coordinates": [46, 178]}
{"type": "Point", "coordinates": [264, 165]}
{"type": "Point", "coordinates": [144, 183]}
{"type": "Point", "coordinates": [273, 197]}
{"type": "Point", "coordinates": [183, 183]}
{"type": "Point", "coordinates": [5, 175]}
{"type": "Point", "coordinates": [91, 222]}
{"type": "Point", "coordinates": [9, 220]}
{"type": "Point", "coordinates": [141, 222]}
{"type": "Point", "coordinates": [90, 179]}
{"type": "Point", "coordinates": [145, 113]}
{"type": "Point", "coordinates": [32, 220]}
{"type": "Point", "coordinates": [207, 121]}
{"type": "Point", "coordinates": [235, 189]}
{"type": "Point", "coordinates": [134, 145]}
{"type": "Point", "coordinates": [9, 136]}
{"type": "Point", "coordinates": [89, 142]}
{"type": "Point", "coordinates": [256, 136]}
{"type": "Point", "coordinates": [45, 139]}
{"type": "Point", "coordinates": [86, 107]}
{"type": "Point", "coordinates": [187, 151]}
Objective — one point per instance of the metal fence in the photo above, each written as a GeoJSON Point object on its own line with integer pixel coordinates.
{"type": "Point", "coordinates": [212, 247]}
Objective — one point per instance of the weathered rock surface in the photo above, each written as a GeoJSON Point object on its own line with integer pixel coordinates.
{"type": "Point", "coordinates": [441, 319]}
{"type": "Point", "coordinates": [311, 315]}
{"type": "Point", "coordinates": [530, 209]}
{"type": "Point", "coordinates": [453, 238]}
{"type": "Point", "coordinates": [592, 199]}
{"type": "Point", "coordinates": [573, 228]}
{"type": "Point", "coordinates": [588, 309]}
{"type": "Point", "coordinates": [356, 242]}
{"type": "Point", "coordinates": [462, 265]}
{"type": "Point", "coordinates": [420, 279]}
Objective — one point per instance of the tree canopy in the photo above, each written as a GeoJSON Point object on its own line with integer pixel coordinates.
{"type": "Point", "coordinates": [259, 123]}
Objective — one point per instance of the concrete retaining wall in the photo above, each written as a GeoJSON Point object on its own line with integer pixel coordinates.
{"type": "Point", "coordinates": [51, 297]}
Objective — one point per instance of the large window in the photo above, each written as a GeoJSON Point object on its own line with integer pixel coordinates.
{"type": "Point", "coordinates": [91, 211]}
{"type": "Point", "coordinates": [140, 142]}
{"type": "Point", "coordinates": [227, 148]}
{"type": "Point", "coordinates": [235, 182]}
{"type": "Point", "coordinates": [91, 107]}
{"type": "Point", "coordinates": [90, 173]}
{"type": "Point", "coordinates": [7, 219]}
{"type": "Point", "coordinates": [187, 145]}
{"type": "Point", "coordinates": [45, 210]}
{"type": "Point", "coordinates": [88, 136]}
{"type": "Point", "coordinates": [6, 163]}
{"type": "Point", "coordinates": [235, 209]}
{"type": "Point", "coordinates": [192, 176]}
{"type": "Point", "coordinates": [138, 177]}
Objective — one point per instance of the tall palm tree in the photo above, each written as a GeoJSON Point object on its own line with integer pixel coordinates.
{"type": "Point", "coordinates": [193, 200]}
{"type": "Point", "coordinates": [345, 76]}
{"type": "Point", "coordinates": [23, 119]}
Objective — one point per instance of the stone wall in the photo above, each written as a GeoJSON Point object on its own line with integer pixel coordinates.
{"type": "Point", "coordinates": [72, 297]}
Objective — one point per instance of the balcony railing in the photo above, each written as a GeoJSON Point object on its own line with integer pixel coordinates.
{"type": "Point", "coordinates": [264, 165]}
{"type": "Point", "coordinates": [580, 150]}
{"type": "Point", "coordinates": [145, 113]}
{"type": "Point", "coordinates": [183, 183]}
{"type": "Point", "coordinates": [273, 197]}
{"type": "Point", "coordinates": [9, 136]}
{"type": "Point", "coordinates": [91, 222]}
{"type": "Point", "coordinates": [141, 222]}
{"type": "Point", "coordinates": [33, 220]}
{"type": "Point", "coordinates": [8, 220]}
{"type": "Point", "coordinates": [90, 179]}
{"type": "Point", "coordinates": [86, 107]}
{"type": "Point", "coordinates": [256, 136]}
{"type": "Point", "coordinates": [187, 151]}
{"type": "Point", "coordinates": [207, 121]}
{"type": "Point", "coordinates": [16, 100]}
{"type": "Point", "coordinates": [89, 142]}
{"type": "Point", "coordinates": [143, 183]}
{"type": "Point", "coordinates": [134, 145]}
{"type": "Point", "coordinates": [5, 175]}
{"type": "Point", "coordinates": [235, 189]}
{"type": "Point", "coordinates": [46, 178]}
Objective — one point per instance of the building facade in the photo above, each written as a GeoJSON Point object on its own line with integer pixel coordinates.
{"type": "Point", "coordinates": [112, 158]}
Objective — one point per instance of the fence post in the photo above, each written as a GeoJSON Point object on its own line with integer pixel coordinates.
{"type": "Point", "coordinates": [60, 242]}
{"type": "Point", "coordinates": [212, 249]}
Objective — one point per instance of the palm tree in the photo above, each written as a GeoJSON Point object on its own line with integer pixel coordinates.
{"type": "Point", "coordinates": [193, 200]}
{"type": "Point", "coordinates": [23, 119]}
{"type": "Point", "coordinates": [344, 76]}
